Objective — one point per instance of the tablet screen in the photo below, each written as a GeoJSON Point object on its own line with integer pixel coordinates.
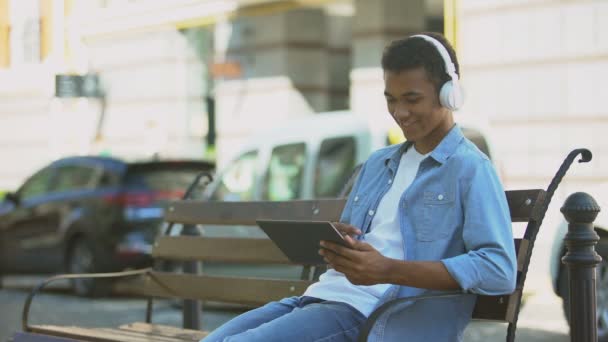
{"type": "Point", "coordinates": [299, 240]}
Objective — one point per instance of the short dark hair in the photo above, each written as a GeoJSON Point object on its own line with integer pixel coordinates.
{"type": "Point", "coordinates": [411, 52]}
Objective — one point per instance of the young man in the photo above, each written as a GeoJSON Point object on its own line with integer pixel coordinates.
{"type": "Point", "coordinates": [426, 216]}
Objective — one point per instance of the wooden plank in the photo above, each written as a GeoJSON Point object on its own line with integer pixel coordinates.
{"type": "Point", "coordinates": [525, 204]}
{"type": "Point", "coordinates": [165, 330]}
{"type": "Point", "coordinates": [21, 336]}
{"type": "Point", "coordinates": [254, 291]}
{"type": "Point", "coordinates": [146, 335]}
{"type": "Point", "coordinates": [99, 334]}
{"type": "Point", "coordinates": [245, 213]}
{"type": "Point", "coordinates": [497, 308]}
{"type": "Point", "coordinates": [218, 249]}
{"type": "Point", "coordinates": [248, 250]}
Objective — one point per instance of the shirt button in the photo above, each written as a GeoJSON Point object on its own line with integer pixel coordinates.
{"type": "Point", "coordinates": [440, 197]}
{"type": "Point", "coordinates": [371, 213]}
{"type": "Point", "coordinates": [356, 198]}
{"type": "Point", "coordinates": [390, 181]}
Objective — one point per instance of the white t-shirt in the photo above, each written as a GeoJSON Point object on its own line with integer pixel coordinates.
{"type": "Point", "coordinates": [384, 235]}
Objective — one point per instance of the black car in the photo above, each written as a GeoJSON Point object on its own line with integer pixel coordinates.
{"type": "Point", "coordinates": [89, 214]}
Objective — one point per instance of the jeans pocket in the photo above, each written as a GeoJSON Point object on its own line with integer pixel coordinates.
{"type": "Point", "coordinates": [436, 214]}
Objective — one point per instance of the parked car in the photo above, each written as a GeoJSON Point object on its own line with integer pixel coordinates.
{"type": "Point", "coordinates": [559, 272]}
{"type": "Point", "coordinates": [89, 214]}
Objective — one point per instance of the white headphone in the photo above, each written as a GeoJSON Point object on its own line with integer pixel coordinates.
{"type": "Point", "coordinates": [450, 94]}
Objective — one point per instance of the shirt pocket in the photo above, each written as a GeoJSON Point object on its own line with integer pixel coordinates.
{"type": "Point", "coordinates": [436, 214]}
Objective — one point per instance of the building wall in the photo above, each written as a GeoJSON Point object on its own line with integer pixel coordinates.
{"type": "Point", "coordinates": [538, 70]}
{"type": "Point", "coordinates": [155, 84]}
{"type": "Point", "coordinates": [24, 132]}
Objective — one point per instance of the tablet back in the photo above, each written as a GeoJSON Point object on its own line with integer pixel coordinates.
{"type": "Point", "coordinates": [299, 240]}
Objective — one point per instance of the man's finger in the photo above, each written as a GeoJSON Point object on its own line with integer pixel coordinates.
{"type": "Point", "coordinates": [343, 265]}
{"type": "Point", "coordinates": [346, 229]}
{"type": "Point", "coordinates": [349, 253]}
{"type": "Point", "coordinates": [358, 245]}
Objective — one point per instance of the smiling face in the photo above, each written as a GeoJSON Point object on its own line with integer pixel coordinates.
{"type": "Point", "coordinates": [413, 102]}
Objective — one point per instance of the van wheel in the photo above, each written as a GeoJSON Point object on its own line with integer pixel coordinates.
{"type": "Point", "coordinates": [601, 291]}
{"type": "Point", "coordinates": [83, 259]}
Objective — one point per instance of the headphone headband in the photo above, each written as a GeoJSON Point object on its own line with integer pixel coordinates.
{"type": "Point", "coordinates": [450, 94]}
{"type": "Point", "coordinates": [450, 68]}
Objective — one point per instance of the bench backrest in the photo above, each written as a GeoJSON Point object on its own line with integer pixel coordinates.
{"type": "Point", "coordinates": [524, 205]}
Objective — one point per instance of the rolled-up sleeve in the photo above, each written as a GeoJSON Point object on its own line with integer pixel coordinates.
{"type": "Point", "coordinates": [489, 265]}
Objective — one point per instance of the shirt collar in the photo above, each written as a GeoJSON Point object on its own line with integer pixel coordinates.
{"type": "Point", "coordinates": [441, 153]}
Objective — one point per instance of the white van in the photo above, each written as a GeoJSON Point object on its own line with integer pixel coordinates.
{"type": "Point", "coordinates": [306, 158]}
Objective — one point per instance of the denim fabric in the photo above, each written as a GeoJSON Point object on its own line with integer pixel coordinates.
{"type": "Point", "coordinates": [293, 319]}
{"type": "Point", "coordinates": [455, 211]}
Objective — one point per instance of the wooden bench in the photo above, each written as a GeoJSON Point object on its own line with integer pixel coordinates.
{"type": "Point", "coordinates": [525, 206]}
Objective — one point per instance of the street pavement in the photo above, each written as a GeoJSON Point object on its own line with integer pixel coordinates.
{"type": "Point", "coordinates": [541, 319]}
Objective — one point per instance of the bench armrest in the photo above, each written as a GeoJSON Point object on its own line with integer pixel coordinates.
{"type": "Point", "coordinates": [42, 285]}
{"type": "Point", "coordinates": [392, 304]}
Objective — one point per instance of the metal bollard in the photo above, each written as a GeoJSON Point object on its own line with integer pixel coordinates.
{"type": "Point", "coordinates": [580, 210]}
{"type": "Point", "coordinates": [191, 310]}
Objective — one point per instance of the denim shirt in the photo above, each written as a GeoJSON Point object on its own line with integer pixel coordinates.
{"type": "Point", "coordinates": [455, 211]}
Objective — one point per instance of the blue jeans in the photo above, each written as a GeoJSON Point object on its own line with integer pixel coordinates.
{"type": "Point", "coordinates": [293, 319]}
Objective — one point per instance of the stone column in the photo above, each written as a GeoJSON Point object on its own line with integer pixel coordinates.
{"type": "Point", "coordinates": [284, 65]}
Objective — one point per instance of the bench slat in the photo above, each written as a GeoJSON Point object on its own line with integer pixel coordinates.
{"type": "Point", "coordinates": [245, 213]}
{"type": "Point", "coordinates": [249, 251]}
{"type": "Point", "coordinates": [497, 308]}
{"type": "Point", "coordinates": [101, 334]}
{"type": "Point", "coordinates": [253, 291]}
{"type": "Point", "coordinates": [219, 249]}
{"type": "Point", "coordinates": [523, 205]}
{"type": "Point", "coordinates": [165, 330]}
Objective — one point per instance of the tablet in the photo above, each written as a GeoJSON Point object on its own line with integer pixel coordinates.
{"type": "Point", "coordinates": [299, 240]}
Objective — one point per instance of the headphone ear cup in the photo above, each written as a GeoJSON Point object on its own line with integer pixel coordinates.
{"type": "Point", "coordinates": [450, 95]}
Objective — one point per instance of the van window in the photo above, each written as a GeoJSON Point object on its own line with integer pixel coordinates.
{"type": "Point", "coordinates": [236, 184]}
{"type": "Point", "coordinates": [283, 180]}
{"type": "Point", "coordinates": [334, 165]}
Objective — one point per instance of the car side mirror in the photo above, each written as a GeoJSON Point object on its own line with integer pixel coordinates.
{"type": "Point", "coordinates": [12, 197]}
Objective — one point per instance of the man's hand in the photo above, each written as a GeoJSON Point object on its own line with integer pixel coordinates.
{"type": "Point", "coordinates": [362, 264]}
{"type": "Point", "coordinates": [346, 229]}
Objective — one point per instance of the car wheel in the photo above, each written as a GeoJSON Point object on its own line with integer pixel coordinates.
{"type": "Point", "coordinates": [601, 291]}
{"type": "Point", "coordinates": [82, 259]}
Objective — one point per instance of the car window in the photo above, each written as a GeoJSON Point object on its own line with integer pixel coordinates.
{"type": "Point", "coordinates": [108, 178]}
{"type": "Point", "coordinates": [36, 185]}
{"type": "Point", "coordinates": [237, 183]}
{"type": "Point", "coordinates": [161, 179]}
{"type": "Point", "coordinates": [73, 177]}
{"type": "Point", "coordinates": [335, 163]}
{"type": "Point", "coordinates": [283, 178]}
